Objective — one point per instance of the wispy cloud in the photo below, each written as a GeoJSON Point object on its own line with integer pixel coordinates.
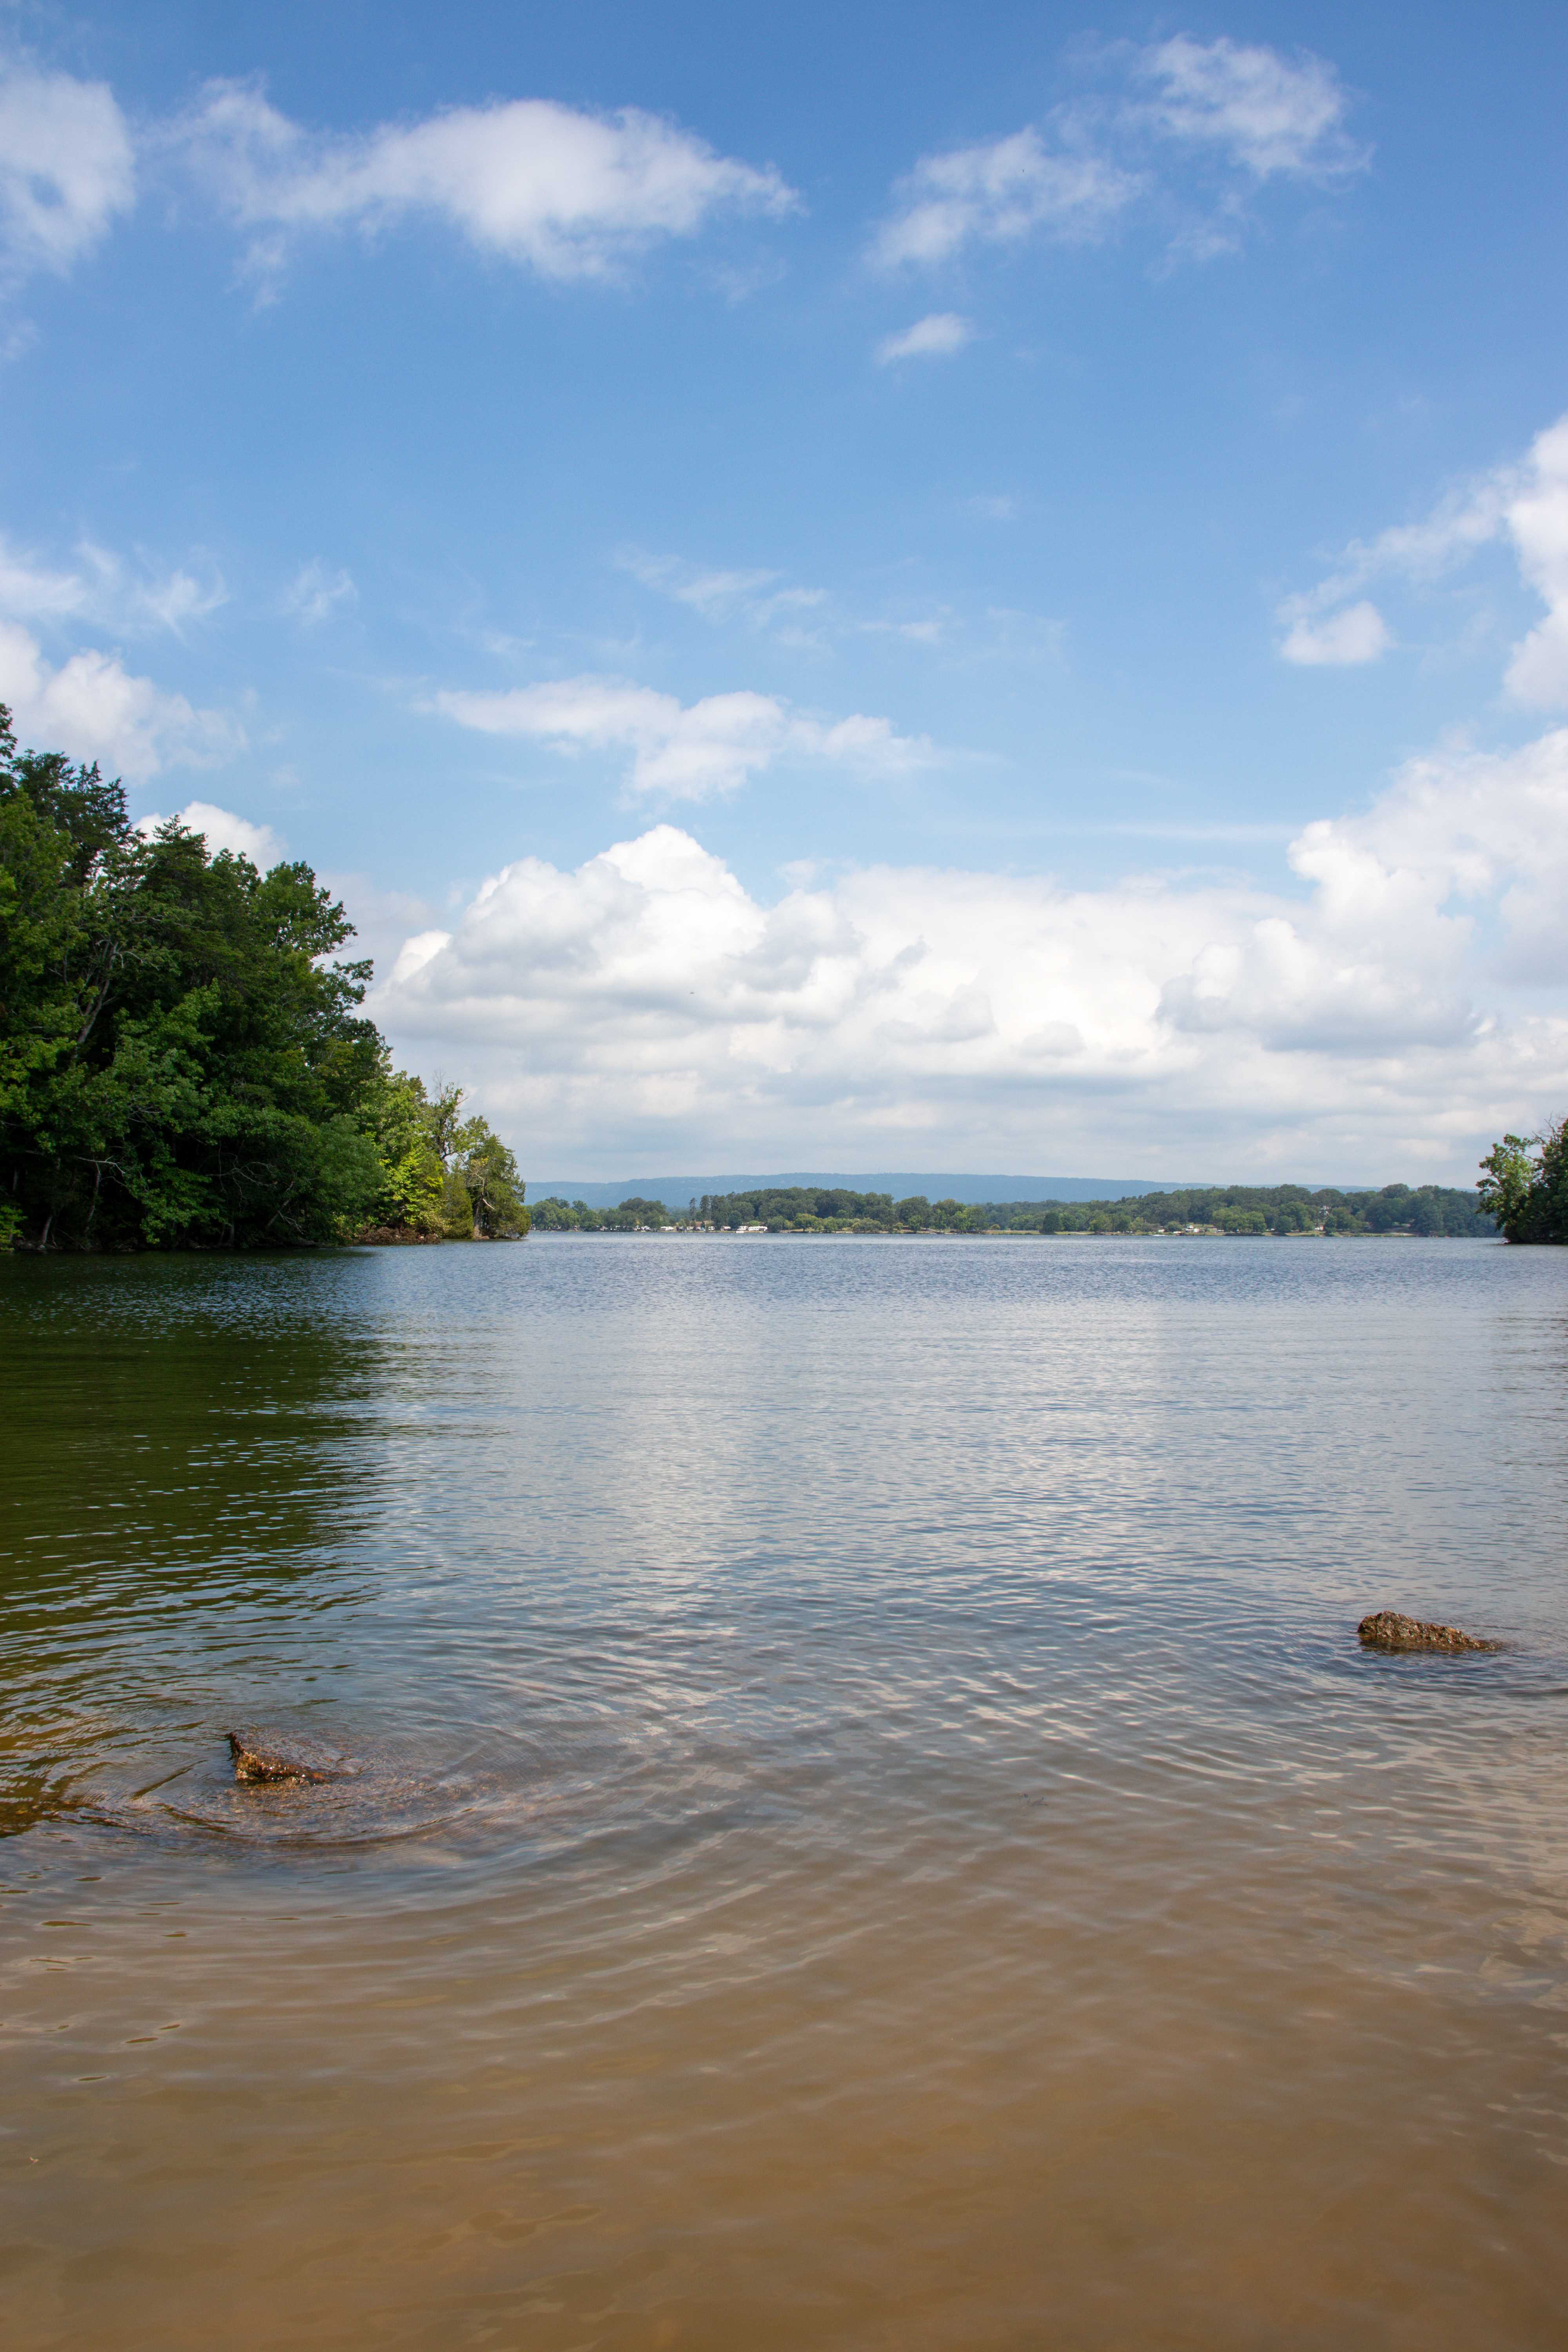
{"type": "Point", "coordinates": [1250, 110]}
{"type": "Point", "coordinates": [1355, 634]}
{"type": "Point", "coordinates": [762, 599]}
{"type": "Point", "coordinates": [810, 618]}
{"type": "Point", "coordinates": [937, 337]}
{"type": "Point", "coordinates": [999, 191]}
{"type": "Point", "coordinates": [108, 589]}
{"type": "Point", "coordinates": [691, 752]}
{"type": "Point", "coordinates": [317, 592]}
{"type": "Point", "coordinates": [567, 194]}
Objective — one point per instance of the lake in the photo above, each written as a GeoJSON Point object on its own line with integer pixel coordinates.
{"type": "Point", "coordinates": [870, 1826]}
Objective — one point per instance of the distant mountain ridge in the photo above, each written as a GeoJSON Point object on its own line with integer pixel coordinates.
{"type": "Point", "coordinates": [675, 1191]}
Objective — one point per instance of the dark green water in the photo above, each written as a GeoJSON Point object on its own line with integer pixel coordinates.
{"type": "Point", "coordinates": [869, 1827]}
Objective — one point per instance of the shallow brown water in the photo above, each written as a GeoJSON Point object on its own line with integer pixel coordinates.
{"type": "Point", "coordinates": [869, 1827]}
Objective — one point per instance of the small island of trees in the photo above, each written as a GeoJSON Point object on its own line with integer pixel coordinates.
{"type": "Point", "coordinates": [183, 1062]}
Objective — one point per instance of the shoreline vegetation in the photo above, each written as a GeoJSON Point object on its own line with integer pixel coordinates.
{"type": "Point", "coordinates": [183, 1062]}
{"type": "Point", "coordinates": [1280, 1210]}
{"type": "Point", "coordinates": [1524, 1185]}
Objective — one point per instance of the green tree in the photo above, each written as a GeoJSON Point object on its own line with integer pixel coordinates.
{"type": "Point", "coordinates": [182, 1054]}
{"type": "Point", "coordinates": [412, 1178]}
{"type": "Point", "coordinates": [488, 1173]}
{"type": "Point", "coordinates": [1524, 1185]}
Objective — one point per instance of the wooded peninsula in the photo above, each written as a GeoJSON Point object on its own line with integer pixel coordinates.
{"type": "Point", "coordinates": [183, 1062]}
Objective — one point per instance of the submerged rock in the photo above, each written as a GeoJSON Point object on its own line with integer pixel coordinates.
{"type": "Point", "coordinates": [256, 1759]}
{"type": "Point", "coordinates": [1389, 1631]}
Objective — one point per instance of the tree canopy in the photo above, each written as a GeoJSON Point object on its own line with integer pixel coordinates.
{"type": "Point", "coordinates": [1524, 1185]}
{"type": "Point", "coordinates": [184, 1060]}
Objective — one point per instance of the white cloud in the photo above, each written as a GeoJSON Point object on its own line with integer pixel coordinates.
{"type": "Point", "coordinates": [1537, 522]}
{"type": "Point", "coordinates": [648, 1003]}
{"type": "Point", "coordinates": [1357, 633]}
{"type": "Point", "coordinates": [30, 592]}
{"type": "Point", "coordinates": [92, 708]}
{"type": "Point", "coordinates": [1524, 505]}
{"type": "Point", "coordinates": [224, 830]}
{"type": "Point", "coordinates": [998, 192]}
{"type": "Point", "coordinates": [66, 169]}
{"type": "Point", "coordinates": [937, 337]}
{"type": "Point", "coordinates": [1256, 113]}
{"type": "Point", "coordinates": [565, 192]}
{"type": "Point", "coordinates": [1269, 113]}
{"type": "Point", "coordinates": [105, 589]}
{"type": "Point", "coordinates": [720, 594]}
{"type": "Point", "coordinates": [692, 751]}
{"type": "Point", "coordinates": [316, 593]}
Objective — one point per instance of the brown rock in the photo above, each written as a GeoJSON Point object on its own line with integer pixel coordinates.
{"type": "Point", "coordinates": [256, 1759]}
{"type": "Point", "coordinates": [1389, 1631]}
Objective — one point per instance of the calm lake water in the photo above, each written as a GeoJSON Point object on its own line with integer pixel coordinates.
{"type": "Point", "coordinates": [872, 1825]}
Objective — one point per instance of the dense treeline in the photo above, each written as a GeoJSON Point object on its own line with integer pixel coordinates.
{"type": "Point", "coordinates": [1524, 1185]}
{"type": "Point", "coordinates": [1280, 1209]}
{"type": "Point", "coordinates": [183, 1061]}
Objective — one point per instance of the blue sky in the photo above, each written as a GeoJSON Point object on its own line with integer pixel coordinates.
{"type": "Point", "coordinates": [916, 586]}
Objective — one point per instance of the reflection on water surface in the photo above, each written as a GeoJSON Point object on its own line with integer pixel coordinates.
{"type": "Point", "coordinates": [871, 1826]}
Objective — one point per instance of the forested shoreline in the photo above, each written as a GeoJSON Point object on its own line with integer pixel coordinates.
{"type": "Point", "coordinates": [1280, 1210]}
{"type": "Point", "coordinates": [184, 1060]}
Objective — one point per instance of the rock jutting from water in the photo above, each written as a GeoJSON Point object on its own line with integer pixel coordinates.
{"type": "Point", "coordinates": [1390, 1631]}
{"type": "Point", "coordinates": [256, 1759]}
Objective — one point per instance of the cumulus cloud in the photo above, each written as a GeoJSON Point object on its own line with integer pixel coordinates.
{"type": "Point", "coordinates": [683, 751]}
{"type": "Point", "coordinates": [317, 592]}
{"type": "Point", "coordinates": [1524, 506]}
{"type": "Point", "coordinates": [933, 338]}
{"type": "Point", "coordinates": [1536, 519]}
{"type": "Point", "coordinates": [224, 830]}
{"type": "Point", "coordinates": [92, 706]}
{"type": "Point", "coordinates": [1249, 112]}
{"type": "Point", "coordinates": [565, 192]}
{"type": "Point", "coordinates": [649, 1002]}
{"type": "Point", "coordinates": [66, 169]}
{"type": "Point", "coordinates": [1355, 634]}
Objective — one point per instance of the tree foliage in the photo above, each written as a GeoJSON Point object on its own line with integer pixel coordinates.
{"type": "Point", "coordinates": [1524, 1185]}
{"type": "Point", "coordinates": [447, 1177]}
{"type": "Point", "coordinates": [182, 1057]}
